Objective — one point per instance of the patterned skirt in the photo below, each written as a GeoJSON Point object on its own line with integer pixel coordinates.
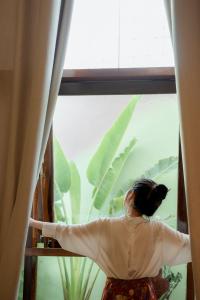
{"type": "Point", "coordinates": [135, 289]}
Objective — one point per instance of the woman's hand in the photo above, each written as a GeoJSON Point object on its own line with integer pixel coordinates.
{"type": "Point", "coordinates": [35, 224]}
{"type": "Point", "coordinates": [31, 222]}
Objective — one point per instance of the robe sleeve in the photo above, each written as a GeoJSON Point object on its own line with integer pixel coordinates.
{"type": "Point", "coordinates": [175, 246]}
{"type": "Point", "coordinates": [81, 239]}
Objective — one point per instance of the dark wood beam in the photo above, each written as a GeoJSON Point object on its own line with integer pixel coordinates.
{"type": "Point", "coordinates": [30, 273]}
{"type": "Point", "coordinates": [118, 81]}
{"type": "Point", "coordinates": [47, 182]}
{"type": "Point", "coordinates": [49, 252]}
{"type": "Point", "coordinates": [42, 210]}
{"type": "Point", "coordinates": [182, 221]}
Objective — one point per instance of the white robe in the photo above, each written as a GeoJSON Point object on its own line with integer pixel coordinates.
{"type": "Point", "coordinates": [124, 247]}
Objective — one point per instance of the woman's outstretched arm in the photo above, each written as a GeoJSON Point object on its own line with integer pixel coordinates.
{"type": "Point", "coordinates": [82, 239]}
{"type": "Point", "coordinates": [36, 224]}
{"type": "Point", "coordinates": [176, 246]}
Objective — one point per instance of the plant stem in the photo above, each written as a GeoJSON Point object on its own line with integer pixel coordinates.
{"type": "Point", "coordinates": [65, 292]}
{"type": "Point", "coordinates": [84, 289]}
{"type": "Point", "coordinates": [81, 276]}
{"type": "Point", "coordinates": [64, 209]}
{"type": "Point", "coordinates": [92, 285]}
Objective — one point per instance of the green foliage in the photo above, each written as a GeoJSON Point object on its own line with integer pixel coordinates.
{"type": "Point", "coordinates": [87, 297]}
{"type": "Point", "coordinates": [116, 205]}
{"type": "Point", "coordinates": [162, 167]}
{"type": "Point", "coordinates": [106, 151]}
{"type": "Point", "coordinates": [57, 193]}
{"type": "Point", "coordinates": [75, 192]}
{"type": "Point", "coordinates": [174, 280]}
{"type": "Point", "coordinates": [59, 211]}
{"type": "Point", "coordinates": [107, 183]}
{"type": "Point", "coordinates": [61, 168]}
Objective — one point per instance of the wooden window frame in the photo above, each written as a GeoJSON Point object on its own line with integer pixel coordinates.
{"type": "Point", "coordinates": [118, 81]}
{"type": "Point", "coordinates": [100, 82]}
{"type": "Point", "coordinates": [93, 82]}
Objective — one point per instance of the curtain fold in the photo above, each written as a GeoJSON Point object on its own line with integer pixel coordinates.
{"type": "Point", "coordinates": [184, 20]}
{"type": "Point", "coordinates": [37, 32]}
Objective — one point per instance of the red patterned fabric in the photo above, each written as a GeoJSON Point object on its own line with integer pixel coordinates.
{"type": "Point", "coordinates": [136, 289]}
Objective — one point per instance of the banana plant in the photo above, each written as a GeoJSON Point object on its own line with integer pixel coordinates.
{"type": "Point", "coordinates": [103, 171]}
{"type": "Point", "coordinates": [104, 167]}
{"type": "Point", "coordinates": [162, 167]}
{"type": "Point", "coordinates": [75, 272]}
{"type": "Point", "coordinates": [103, 157]}
{"type": "Point", "coordinates": [78, 275]}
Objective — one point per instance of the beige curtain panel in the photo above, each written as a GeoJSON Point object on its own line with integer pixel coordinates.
{"type": "Point", "coordinates": [33, 37]}
{"type": "Point", "coordinates": [184, 19]}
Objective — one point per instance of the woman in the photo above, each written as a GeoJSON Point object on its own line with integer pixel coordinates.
{"type": "Point", "coordinates": [130, 249]}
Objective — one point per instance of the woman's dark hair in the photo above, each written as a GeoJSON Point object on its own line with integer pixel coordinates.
{"type": "Point", "coordinates": [148, 196]}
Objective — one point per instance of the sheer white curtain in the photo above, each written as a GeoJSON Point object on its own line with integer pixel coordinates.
{"type": "Point", "coordinates": [33, 37]}
{"type": "Point", "coordinates": [184, 20]}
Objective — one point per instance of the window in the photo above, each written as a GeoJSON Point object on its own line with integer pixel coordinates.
{"type": "Point", "coordinates": [119, 34]}
{"type": "Point", "coordinates": [105, 64]}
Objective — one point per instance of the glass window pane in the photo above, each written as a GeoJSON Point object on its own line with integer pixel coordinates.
{"type": "Point", "coordinates": [118, 34]}
{"type": "Point", "coordinates": [80, 122]}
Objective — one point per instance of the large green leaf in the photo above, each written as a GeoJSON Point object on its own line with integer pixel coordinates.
{"type": "Point", "coordinates": [162, 167]}
{"type": "Point", "coordinates": [116, 205]}
{"type": "Point", "coordinates": [59, 214]}
{"type": "Point", "coordinates": [106, 151]}
{"type": "Point", "coordinates": [75, 192]}
{"type": "Point", "coordinates": [61, 168]}
{"type": "Point", "coordinates": [111, 176]}
{"type": "Point", "coordinates": [57, 193]}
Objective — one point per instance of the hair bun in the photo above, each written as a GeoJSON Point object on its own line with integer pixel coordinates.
{"type": "Point", "coordinates": [161, 190]}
